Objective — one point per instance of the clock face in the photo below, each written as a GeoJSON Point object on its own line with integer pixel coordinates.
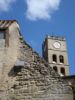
{"type": "Point", "coordinates": [57, 45]}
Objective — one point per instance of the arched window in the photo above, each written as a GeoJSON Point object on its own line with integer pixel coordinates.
{"type": "Point", "coordinates": [54, 57]}
{"type": "Point", "coordinates": [61, 58]}
{"type": "Point", "coordinates": [62, 70]}
{"type": "Point", "coordinates": [55, 68]}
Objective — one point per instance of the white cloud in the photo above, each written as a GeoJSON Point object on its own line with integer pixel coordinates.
{"type": "Point", "coordinates": [41, 9]}
{"type": "Point", "coordinates": [5, 4]}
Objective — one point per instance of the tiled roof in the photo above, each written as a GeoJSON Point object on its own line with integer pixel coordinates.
{"type": "Point", "coordinates": [5, 23]}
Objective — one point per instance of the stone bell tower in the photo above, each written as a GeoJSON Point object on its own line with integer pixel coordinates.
{"type": "Point", "coordinates": [55, 53]}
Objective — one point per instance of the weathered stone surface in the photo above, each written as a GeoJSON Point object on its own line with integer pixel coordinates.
{"type": "Point", "coordinates": [36, 80]}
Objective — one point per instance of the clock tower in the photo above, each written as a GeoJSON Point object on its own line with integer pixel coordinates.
{"type": "Point", "coordinates": [55, 53]}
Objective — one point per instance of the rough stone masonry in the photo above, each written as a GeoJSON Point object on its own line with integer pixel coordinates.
{"type": "Point", "coordinates": [24, 75]}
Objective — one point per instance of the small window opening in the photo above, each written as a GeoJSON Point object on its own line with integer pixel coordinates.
{"type": "Point", "coordinates": [2, 34]}
{"type": "Point", "coordinates": [54, 58]}
{"type": "Point", "coordinates": [2, 39]}
{"type": "Point", "coordinates": [61, 58]}
{"type": "Point", "coordinates": [63, 71]}
{"type": "Point", "coordinates": [55, 68]}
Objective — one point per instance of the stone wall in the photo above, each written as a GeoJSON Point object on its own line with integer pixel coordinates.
{"type": "Point", "coordinates": [8, 57]}
{"type": "Point", "coordinates": [69, 79]}
{"type": "Point", "coordinates": [35, 80]}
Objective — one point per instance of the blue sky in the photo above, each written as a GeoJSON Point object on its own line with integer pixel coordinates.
{"type": "Point", "coordinates": [38, 18]}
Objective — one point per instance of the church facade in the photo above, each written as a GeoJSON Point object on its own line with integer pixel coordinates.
{"type": "Point", "coordinates": [24, 75]}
